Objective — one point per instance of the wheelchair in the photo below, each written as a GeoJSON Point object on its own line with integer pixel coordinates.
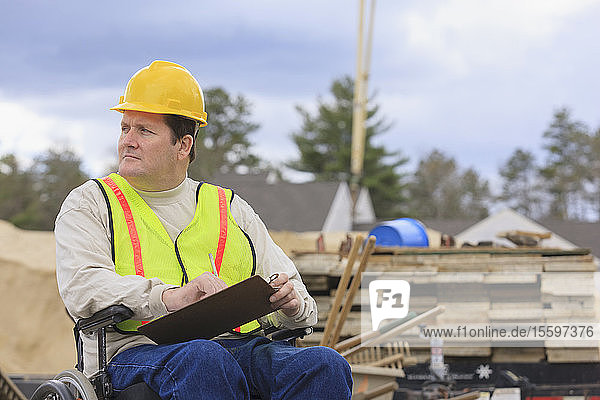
{"type": "Point", "coordinates": [72, 384]}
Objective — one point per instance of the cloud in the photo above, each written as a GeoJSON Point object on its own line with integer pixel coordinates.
{"type": "Point", "coordinates": [462, 75]}
{"type": "Point", "coordinates": [463, 36]}
{"type": "Point", "coordinates": [33, 125]}
{"type": "Point", "coordinates": [25, 132]}
{"type": "Point", "coordinates": [272, 45]}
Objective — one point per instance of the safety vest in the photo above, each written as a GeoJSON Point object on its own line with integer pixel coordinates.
{"type": "Point", "coordinates": [141, 246]}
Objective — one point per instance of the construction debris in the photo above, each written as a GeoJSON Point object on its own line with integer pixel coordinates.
{"type": "Point", "coordinates": [526, 283]}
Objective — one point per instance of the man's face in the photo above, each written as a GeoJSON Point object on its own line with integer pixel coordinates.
{"type": "Point", "coordinates": [147, 155]}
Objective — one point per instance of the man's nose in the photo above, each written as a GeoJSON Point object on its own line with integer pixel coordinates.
{"type": "Point", "coordinates": [129, 138]}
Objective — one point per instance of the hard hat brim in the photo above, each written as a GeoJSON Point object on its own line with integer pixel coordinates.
{"type": "Point", "coordinates": [158, 109]}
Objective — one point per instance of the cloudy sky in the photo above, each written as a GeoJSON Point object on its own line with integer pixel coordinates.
{"type": "Point", "coordinates": [474, 78]}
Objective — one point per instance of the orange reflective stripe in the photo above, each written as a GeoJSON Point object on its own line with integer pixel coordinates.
{"type": "Point", "coordinates": [135, 240]}
{"type": "Point", "coordinates": [222, 229]}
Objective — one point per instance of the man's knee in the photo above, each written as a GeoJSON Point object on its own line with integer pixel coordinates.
{"type": "Point", "coordinates": [201, 354]}
{"type": "Point", "coordinates": [327, 358]}
{"type": "Point", "coordinates": [327, 365]}
{"type": "Point", "coordinates": [205, 367]}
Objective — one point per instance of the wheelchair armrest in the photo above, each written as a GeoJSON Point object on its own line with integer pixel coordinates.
{"type": "Point", "coordinates": [103, 318]}
{"type": "Point", "coordinates": [287, 334]}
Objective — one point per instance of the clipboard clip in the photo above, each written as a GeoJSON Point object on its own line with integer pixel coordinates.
{"type": "Point", "coordinates": [272, 278]}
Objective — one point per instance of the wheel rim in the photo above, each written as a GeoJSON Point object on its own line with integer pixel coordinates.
{"type": "Point", "coordinates": [78, 384]}
{"type": "Point", "coordinates": [74, 388]}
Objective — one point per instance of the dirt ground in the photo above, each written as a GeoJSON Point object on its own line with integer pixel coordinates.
{"type": "Point", "coordinates": [35, 331]}
{"type": "Point", "coordinates": [36, 334]}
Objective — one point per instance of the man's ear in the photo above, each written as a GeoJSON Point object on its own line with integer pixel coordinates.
{"type": "Point", "coordinates": [185, 146]}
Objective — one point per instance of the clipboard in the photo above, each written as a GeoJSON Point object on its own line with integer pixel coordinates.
{"type": "Point", "coordinates": [216, 314]}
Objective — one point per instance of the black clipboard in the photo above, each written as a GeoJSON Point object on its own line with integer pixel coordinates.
{"type": "Point", "coordinates": [219, 313]}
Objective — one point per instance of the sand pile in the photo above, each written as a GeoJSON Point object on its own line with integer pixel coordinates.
{"type": "Point", "coordinates": [35, 331]}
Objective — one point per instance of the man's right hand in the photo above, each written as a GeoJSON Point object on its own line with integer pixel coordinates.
{"type": "Point", "coordinates": [196, 289]}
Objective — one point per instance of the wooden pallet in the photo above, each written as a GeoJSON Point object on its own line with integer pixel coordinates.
{"type": "Point", "coordinates": [8, 390]}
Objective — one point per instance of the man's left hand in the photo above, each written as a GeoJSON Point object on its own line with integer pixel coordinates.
{"type": "Point", "coordinates": [285, 298]}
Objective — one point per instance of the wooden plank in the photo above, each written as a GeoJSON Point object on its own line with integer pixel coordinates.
{"type": "Point", "coordinates": [568, 284]}
{"type": "Point", "coordinates": [395, 331]}
{"type": "Point", "coordinates": [532, 314]}
{"type": "Point", "coordinates": [385, 361]}
{"type": "Point", "coordinates": [517, 267]}
{"type": "Point", "coordinates": [499, 278]}
{"type": "Point", "coordinates": [572, 305]}
{"type": "Point", "coordinates": [483, 351]}
{"type": "Point", "coordinates": [588, 301]}
{"type": "Point", "coordinates": [8, 390]}
{"type": "Point", "coordinates": [575, 267]}
{"type": "Point", "coordinates": [555, 314]}
{"type": "Point", "coordinates": [316, 283]}
{"type": "Point", "coordinates": [518, 354]}
{"type": "Point", "coordinates": [315, 263]}
{"type": "Point", "coordinates": [473, 312]}
{"type": "Point", "coordinates": [542, 251]}
{"type": "Point", "coordinates": [516, 305]}
{"type": "Point", "coordinates": [460, 277]}
{"type": "Point", "coordinates": [400, 260]}
{"type": "Point", "coordinates": [380, 371]}
{"type": "Point", "coordinates": [572, 355]}
{"type": "Point", "coordinates": [367, 251]}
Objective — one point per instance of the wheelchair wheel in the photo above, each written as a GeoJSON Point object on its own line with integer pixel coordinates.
{"type": "Point", "coordinates": [78, 384]}
{"type": "Point", "coordinates": [52, 390]}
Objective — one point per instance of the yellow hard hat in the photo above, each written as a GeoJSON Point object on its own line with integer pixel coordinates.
{"type": "Point", "coordinates": [164, 87]}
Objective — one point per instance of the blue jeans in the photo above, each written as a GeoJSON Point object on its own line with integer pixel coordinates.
{"type": "Point", "coordinates": [234, 369]}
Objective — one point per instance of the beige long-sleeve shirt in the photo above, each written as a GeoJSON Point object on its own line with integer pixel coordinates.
{"type": "Point", "coordinates": [86, 275]}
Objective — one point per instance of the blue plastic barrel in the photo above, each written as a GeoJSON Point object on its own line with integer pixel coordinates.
{"type": "Point", "coordinates": [406, 232]}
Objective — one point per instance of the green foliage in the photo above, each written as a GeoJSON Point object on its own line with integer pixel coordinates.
{"type": "Point", "coordinates": [566, 185]}
{"type": "Point", "coordinates": [56, 173]}
{"type": "Point", "coordinates": [475, 195]}
{"type": "Point", "coordinates": [592, 157]}
{"type": "Point", "coordinates": [224, 143]}
{"type": "Point", "coordinates": [31, 198]}
{"type": "Point", "coordinates": [440, 190]}
{"type": "Point", "coordinates": [565, 169]}
{"type": "Point", "coordinates": [521, 188]}
{"type": "Point", "coordinates": [324, 142]}
{"type": "Point", "coordinates": [16, 192]}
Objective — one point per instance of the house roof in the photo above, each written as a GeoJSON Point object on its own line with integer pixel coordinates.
{"type": "Point", "coordinates": [509, 220]}
{"type": "Point", "coordinates": [583, 234]}
{"type": "Point", "coordinates": [449, 226]}
{"type": "Point", "coordinates": [576, 234]}
{"type": "Point", "coordinates": [288, 206]}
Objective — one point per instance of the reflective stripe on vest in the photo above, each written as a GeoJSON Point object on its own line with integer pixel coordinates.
{"type": "Point", "coordinates": [141, 245]}
{"type": "Point", "coordinates": [135, 240]}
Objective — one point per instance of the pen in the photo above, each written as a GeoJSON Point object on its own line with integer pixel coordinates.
{"type": "Point", "coordinates": [212, 263]}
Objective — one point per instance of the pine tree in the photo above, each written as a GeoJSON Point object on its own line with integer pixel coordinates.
{"type": "Point", "coordinates": [224, 143]}
{"type": "Point", "coordinates": [439, 189]}
{"type": "Point", "coordinates": [565, 168]}
{"type": "Point", "coordinates": [55, 173]}
{"type": "Point", "coordinates": [16, 192]}
{"type": "Point", "coordinates": [324, 142]}
{"type": "Point", "coordinates": [521, 188]}
{"type": "Point", "coordinates": [593, 162]}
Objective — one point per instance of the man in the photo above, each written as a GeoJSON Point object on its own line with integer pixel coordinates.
{"type": "Point", "coordinates": [154, 240]}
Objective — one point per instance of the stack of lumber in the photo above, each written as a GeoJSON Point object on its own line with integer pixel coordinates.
{"type": "Point", "coordinates": [503, 285]}
{"type": "Point", "coordinates": [8, 390]}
